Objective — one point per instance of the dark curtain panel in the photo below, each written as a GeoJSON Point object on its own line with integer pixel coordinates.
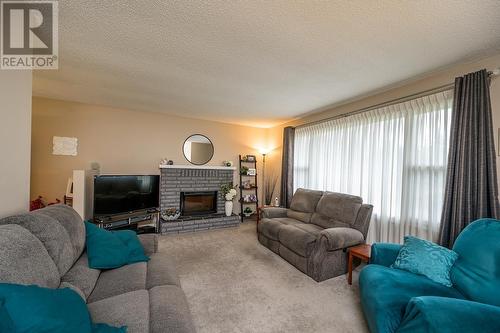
{"type": "Point", "coordinates": [287, 166]}
{"type": "Point", "coordinates": [471, 182]}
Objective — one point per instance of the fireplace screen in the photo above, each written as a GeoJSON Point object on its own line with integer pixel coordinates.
{"type": "Point", "coordinates": [198, 203]}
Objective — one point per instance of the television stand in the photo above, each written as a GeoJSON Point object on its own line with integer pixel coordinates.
{"type": "Point", "coordinates": [141, 221]}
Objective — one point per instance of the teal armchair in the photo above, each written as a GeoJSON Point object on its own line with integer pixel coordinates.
{"type": "Point", "coordinates": [449, 315]}
{"type": "Point", "coordinates": [384, 253]}
{"type": "Point", "coordinates": [394, 300]}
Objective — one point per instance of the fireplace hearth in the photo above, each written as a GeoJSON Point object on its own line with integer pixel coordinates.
{"type": "Point", "coordinates": [198, 203]}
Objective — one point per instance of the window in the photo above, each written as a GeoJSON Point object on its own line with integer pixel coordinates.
{"type": "Point", "coordinates": [394, 157]}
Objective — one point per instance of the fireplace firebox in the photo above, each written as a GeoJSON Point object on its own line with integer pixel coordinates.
{"type": "Point", "coordinates": [198, 203]}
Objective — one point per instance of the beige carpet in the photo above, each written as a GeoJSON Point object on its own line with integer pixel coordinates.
{"type": "Point", "coordinates": [234, 284]}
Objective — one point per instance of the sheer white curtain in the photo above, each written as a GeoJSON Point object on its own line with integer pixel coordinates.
{"type": "Point", "coordinates": [394, 158]}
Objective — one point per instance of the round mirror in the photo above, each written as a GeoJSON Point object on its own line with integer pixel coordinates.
{"type": "Point", "coordinates": [198, 149]}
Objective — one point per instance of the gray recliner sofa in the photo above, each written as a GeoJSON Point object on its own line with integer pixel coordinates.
{"type": "Point", "coordinates": [47, 248]}
{"type": "Point", "coordinates": [315, 232]}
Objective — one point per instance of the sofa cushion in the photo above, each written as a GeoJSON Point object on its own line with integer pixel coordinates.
{"type": "Point", "coordinates": [385, 292]}
{"type": "Point", "coordinates": [82, 276]}
{"type": "Point", "coordinates": [271, 227]}
{"type": "Point", "coordinates": [304, 204]}
{"type": "Point", "coordinates": [24, 259]}
{"type": "Point", "coordinates": [161, 271]}
{"type": "Point", "coordinates": [51, 233]}
{"type": "Point", "coordinates": [299, 238]}
{"type": "Point", "coordinates": [130, 309]}
{"type": "Point", "coordinates": [300, 216]}
{"type": "Point", "coordinates": [336, 210]}
{"type": "Point", "coordinates": [119, 281]}
{"type": "Point", "coordinates": [169, 311]}
{"type": "Point", "coordinates": [73, 224]}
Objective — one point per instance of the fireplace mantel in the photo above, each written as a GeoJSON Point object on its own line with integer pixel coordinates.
{"type": "Point", "coordinates": [198, 167]}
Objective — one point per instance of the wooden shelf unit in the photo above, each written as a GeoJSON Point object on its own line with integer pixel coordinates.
{"type": "Point", "coordinates": [251, 164]}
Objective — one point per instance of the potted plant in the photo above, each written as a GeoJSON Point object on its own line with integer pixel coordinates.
{"type": "Point", "coordinates": [247, 212]}
{"type": "Point", "coordinates": [244, 170]}
{"type": "Point", "coordinates": [229, 192]}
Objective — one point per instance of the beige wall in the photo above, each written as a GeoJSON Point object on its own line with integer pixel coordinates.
{"type": "Point", "coordinates": [441, 78]}
{"type": "Point", "coordinates": [122, 141]}
{"type": "Point", "coordinates": [15, 134]}
{"type": "Point", "coordinates": [125, 141]}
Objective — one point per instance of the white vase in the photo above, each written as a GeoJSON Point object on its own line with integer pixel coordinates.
{"type": "Point", "coordinates": [229, 207]}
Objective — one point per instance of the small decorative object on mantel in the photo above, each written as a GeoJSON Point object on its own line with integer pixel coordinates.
{"type": "Point", "coordinates": [166, 161]}
{"type": "Point", "coordinates": [229, 192]}
{"type": "Point", "coordinates": [248, 212]}
{"type": "Point", "coordinates": [170, 214]}
{"type": "Point", "coordinates": [276, 202]}
{"type": "Point", "coordinates": [227, 163]}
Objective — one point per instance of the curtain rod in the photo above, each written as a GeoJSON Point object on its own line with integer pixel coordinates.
{"type": "Point", "coordinates": [449, 86]}
{"type": "Point", "coordinates": [384, 104]}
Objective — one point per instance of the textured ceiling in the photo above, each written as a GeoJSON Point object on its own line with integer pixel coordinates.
{"type": "Point", "coordinates": [256, 62]}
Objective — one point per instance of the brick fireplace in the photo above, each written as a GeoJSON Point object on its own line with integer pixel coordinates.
{"type": "Point", "coordinates": [181, 181]}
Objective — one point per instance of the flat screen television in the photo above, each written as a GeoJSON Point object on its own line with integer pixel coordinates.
{"type": "Point", "coordinates": [118, 194]}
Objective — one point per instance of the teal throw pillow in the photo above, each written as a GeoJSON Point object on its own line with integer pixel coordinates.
{"type": "Point", "coordinates": [42, 310]}
{"type": "Point", "coordinates": [419, 256]}
{"type": "Point", "coordinates": [6, 324]}
{"type": "Point", "coordinates": [112, 249]}
{"type": "Point", "coordinates": [105, 328]}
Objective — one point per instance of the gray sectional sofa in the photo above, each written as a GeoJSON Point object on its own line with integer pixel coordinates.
{"type": "Point", "coordinates": [315, 232]}
{"type": "Point", "coordinates": [47, 248]}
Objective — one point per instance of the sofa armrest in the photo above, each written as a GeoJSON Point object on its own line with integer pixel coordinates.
{"type": "Point", "coordinates": [149, 243]}
{"type": "Point", "coordinates": [273, 212]}
{"type": "Point", "coordinates": [340, 238]}
{"type": "Point", "coordinates": [449, 315]}
{"type": "Point", "coordinates": [384, 253]}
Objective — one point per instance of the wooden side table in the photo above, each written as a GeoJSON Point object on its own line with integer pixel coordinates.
{"type": "Point", "coordinates": [362, 252]}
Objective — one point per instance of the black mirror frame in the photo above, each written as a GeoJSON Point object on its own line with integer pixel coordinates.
{"type": "Point", "coordinates": [213, 148]}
